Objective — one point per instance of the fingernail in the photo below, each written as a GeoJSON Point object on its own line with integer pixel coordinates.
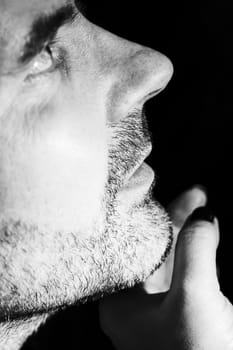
{"type": "Point", "coordinates": [202, 213]}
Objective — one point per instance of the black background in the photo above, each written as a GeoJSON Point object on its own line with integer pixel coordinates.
{"type": "Point", "coordinates": [191, 120]}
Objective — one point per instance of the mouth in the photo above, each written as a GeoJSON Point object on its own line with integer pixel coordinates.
{"type": "Point", "coordinates": [138, 186]}
{"type": "Point", "coordinates": [147, 151]}
{"type": "Point", "coordinates": [141, 176]}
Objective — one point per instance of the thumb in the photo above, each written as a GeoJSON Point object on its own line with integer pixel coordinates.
{"type": "Point", "coordinates": [195, 253]}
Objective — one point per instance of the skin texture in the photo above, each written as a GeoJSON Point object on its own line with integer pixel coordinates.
{"type": "Point", "coordinates": [69, 139]}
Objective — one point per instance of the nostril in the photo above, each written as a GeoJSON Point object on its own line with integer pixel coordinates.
{"type": "Point", "coordinates": [154, 93]}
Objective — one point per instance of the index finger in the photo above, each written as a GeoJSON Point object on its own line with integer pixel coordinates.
{"type": "Point", "coordinates": [181, 207]}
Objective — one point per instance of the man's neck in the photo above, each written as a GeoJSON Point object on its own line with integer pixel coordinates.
{"type": "Point", "coordinates": [13, 334]}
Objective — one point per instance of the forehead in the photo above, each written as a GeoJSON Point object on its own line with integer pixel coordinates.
{"type": "Point", "coordinates": [16, 18]}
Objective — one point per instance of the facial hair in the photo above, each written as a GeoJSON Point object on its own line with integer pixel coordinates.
{"type": "Point", "coordinates": [44, 271]}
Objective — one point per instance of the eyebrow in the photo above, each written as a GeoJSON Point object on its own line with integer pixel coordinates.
{"type": "Point", "coordinates": [44, 29]}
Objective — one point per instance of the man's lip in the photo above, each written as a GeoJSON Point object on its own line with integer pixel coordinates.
{"type": "Point", "coordinates": [141, 176]}
{"type": "Point", "coordinates": [138, 184]}
{"type": "Point", "coordinates": [145, 154]}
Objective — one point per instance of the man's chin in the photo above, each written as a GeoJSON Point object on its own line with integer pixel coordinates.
{"type": "Point", "coordinates": [135, 243]}
{"type": "Point", "coordinates": [144, 235]}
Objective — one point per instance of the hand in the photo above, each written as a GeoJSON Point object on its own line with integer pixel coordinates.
{"type": "Point", "coordinates": [181, 306]}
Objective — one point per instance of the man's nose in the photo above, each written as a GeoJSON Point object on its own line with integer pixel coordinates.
{"type": "Point", "coordinates": [143, 75]}
{"type": "Point", "coordinates": [137, 74]}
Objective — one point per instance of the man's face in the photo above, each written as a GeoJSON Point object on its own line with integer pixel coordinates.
{"type": "Point", "coordinates": [76, 217]}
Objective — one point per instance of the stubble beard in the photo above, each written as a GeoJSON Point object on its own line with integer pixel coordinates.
{"type": "Point", "coordinates": [49, 271]}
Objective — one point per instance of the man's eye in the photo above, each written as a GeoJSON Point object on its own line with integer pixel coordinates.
{"type": "Point", "coordinates": [43, 63]}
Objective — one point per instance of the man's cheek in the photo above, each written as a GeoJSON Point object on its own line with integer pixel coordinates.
{"type": "Point", "coordinates": [55, 179]}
